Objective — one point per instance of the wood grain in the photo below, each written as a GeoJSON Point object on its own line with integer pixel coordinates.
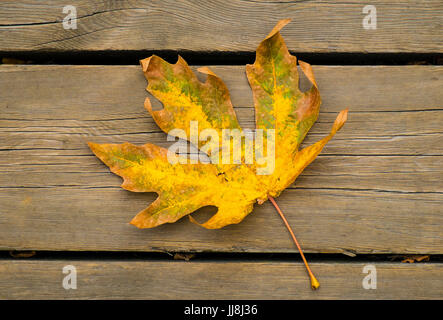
{"type": "Point", "coordinates": [40, 279]}
{"type": "Point", "coordinates": [376, 188]}
{"type": "Point", "coordinates": [233, 25]}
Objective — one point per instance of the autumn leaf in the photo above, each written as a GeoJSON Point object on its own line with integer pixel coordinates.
{"type": "Point", "coordinates": [182, 188]}
{"type": "Point", "coordinates": [283, 112]}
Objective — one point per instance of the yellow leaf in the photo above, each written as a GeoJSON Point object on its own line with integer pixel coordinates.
{"type": "Point", "coordinates": [283, 112]}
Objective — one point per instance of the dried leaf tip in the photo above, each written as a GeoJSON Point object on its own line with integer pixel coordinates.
{"type": "Point", "coordinates": [145, 63]}
{"type": "Point", "coordinates": [278, 27]}
{"type": "Point", "coordinates": [340, 120]}
{"type": "Point", "coordinates": [207, 71]}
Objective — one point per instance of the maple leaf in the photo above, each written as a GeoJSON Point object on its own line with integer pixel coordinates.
{"type": "Point", "coordinates": [233, 188]}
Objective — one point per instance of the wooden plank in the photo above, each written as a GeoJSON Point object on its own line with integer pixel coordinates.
{"type": "Point", "coordinates": [234, 25]}
{"type": "Point", "coordinates": [108, 103]}
{"type": "Point", "coordinates": [400, 174]}
{"type": "Point", "coordinates": [40, 279]}
{"type": "Point", "coordinates": [363, 88]}
{"type": "Point", "coordinates": [325, 220]}
{"type": "Point", "coordinates": [376, 188]}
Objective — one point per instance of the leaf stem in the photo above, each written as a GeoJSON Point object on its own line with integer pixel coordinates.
{"type": "Point", "coordinates": [314, 283]}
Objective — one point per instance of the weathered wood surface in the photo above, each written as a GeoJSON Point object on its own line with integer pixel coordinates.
{"type": "Point", "coordinates": [233, 25]}
{"type": "Point", "coordinates": [376, 188]}
{"type": "Point", "coordinates": [40, 279]}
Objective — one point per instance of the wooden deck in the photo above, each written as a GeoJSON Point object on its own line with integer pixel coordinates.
{"type": "Point", "coordinates": [318, 26]}
{"type": "Point", "coordinates": [374, 192]}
